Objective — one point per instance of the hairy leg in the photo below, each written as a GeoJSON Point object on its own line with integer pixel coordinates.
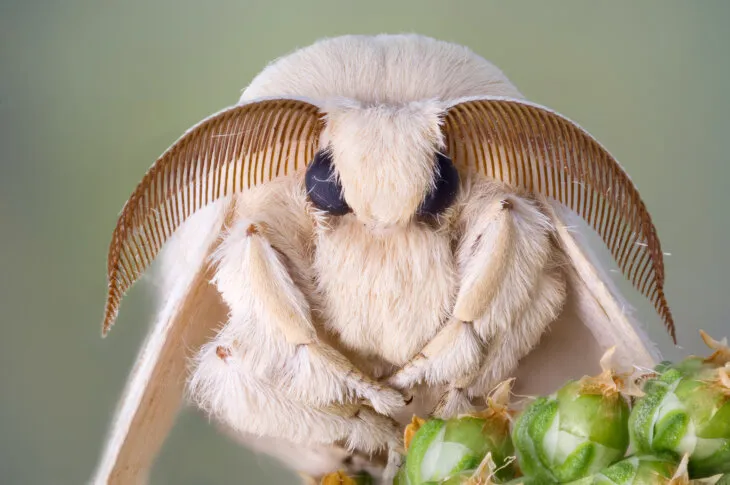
{"type": "Point", "coordinates": [508, 295]}
{"type": "Point", "coordinates": [270, 319]}
{"type": "Point", "coordinates": [223, 385]}
{"type": "Point", "coordinates": [267, 373]}
{"type": "Point", "coordinates": [508, 346]}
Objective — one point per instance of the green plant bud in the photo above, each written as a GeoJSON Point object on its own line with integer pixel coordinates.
{"type": "Point", "coordinates": [635, 470]}
{"type": "Point", "coordinates": [444, 449]}
{"type": "Point", "coordinates": [485, 474]}
{"type": "Point", "coordinates": [686, 410]}
{"type": "Point", "coordinates": [645, 470]}
{"type": "Point", "coordinates": [441, 449]}
{"type": "Point", "coordinates": [525, 480]}
{"type": "Point", "coordinates": [575, 432]}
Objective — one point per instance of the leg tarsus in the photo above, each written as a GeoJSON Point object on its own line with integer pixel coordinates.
{"type": "Point", "coordinates": [454, 351]}
{"type": "Point", "coordinates": [509, 347]}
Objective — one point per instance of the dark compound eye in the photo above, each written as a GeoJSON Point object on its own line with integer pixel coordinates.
{"type": "Point", "coordinates": [446, 187]}
{"type": "Point", "coordinates": [323, 186]}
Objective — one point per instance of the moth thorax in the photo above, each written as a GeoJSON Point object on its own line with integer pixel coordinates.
{"type": "Point", "coordinates": [384, 156]}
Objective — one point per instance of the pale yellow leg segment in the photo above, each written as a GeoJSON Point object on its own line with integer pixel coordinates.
{"type": "Point", "coordinates": [455, 350]}
{"type": "Point", "coordinates": [270, 323]}
{"type": "Point", "coordinates": [507, 347]}
{"type": "Point", "coordinates": [223, 384]}
{"type": "Point", "coordinates": [502, 254]}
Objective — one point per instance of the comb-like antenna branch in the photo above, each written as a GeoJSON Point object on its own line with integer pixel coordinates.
{"type": "Point", "coordinates": [538, 150]}
{"type": "Point", "coordinates": [231, 151]}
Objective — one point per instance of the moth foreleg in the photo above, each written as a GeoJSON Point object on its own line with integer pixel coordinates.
{"type": "Point", "coordinates": [510, 289]}
{"type": "Point", "coordinates": [454, 351]}
{"type": "Point", "coordinates": [504, 247]}
{"type": "Point", "coordinates": [223, 384]}
{"type": "Point", "coordinates": [270, 319]}
{"type": "Point", "coordinates": [508, 346]}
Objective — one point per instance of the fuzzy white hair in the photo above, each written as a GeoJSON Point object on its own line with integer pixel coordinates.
{"type": "Point", "coordinates": [305, 333]}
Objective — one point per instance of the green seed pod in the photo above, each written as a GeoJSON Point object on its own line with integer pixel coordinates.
{"type": "Point", "coordinates": [444, 449]}
{"type": "Point", "coordinates": [485, 474]}
{"type": "Point", "coordinates": [635, 470]}
{"type": "Point", "coordinates": [686, 410]}
{"type": "Point", "coordinates": [638, 471]}
{"type": "Point", "coordinates": [575, 432]}
{"type": "Point", "coordinates": [526, 481]}
{"type": "Point", "coordinates": [441, 448]}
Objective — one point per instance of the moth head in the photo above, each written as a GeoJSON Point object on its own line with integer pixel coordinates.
{"type": "Point", "coordinates": [387, 163]}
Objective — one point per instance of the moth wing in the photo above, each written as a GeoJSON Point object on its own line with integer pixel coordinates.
{"type": "Point", "coordinates": [181, 203]}
{"type": "Point", "coordinates": [191, 310]}
{"type": "Point", "coordinates": [540, 151]}
{"type": "Point", "coordinates": [595, 317]}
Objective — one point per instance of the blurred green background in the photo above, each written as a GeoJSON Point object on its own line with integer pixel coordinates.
{"type": "Point", "coordinates": [92, 92]}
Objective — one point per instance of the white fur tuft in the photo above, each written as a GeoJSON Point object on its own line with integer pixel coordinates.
{"type": "Point", "coordinates": [319, 307]}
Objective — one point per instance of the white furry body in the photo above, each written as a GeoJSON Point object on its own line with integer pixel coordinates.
{"type": "Point", "coordinates": [376, 285]}
{"type": "Point", "coordinates": [358, 273]}
{"type": "Point", "coordinates": [334, 321]}
{"type": "Point", "coordinates": [277, 367]}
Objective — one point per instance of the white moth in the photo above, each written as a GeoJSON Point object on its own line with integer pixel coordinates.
{"type": "Point", "coordinates": [381, 226]}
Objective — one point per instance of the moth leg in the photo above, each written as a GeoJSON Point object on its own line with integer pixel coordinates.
{"type": "Point", "coordinates": [504, 247]}
{"type": "Point", "coordinates": [456, 349]}
{"type": "Point", "coordinates": [271, 318]}
{"type": "Point", "coordinates": [507, 347]}
{"type": "Point", "coordinates": [505, 243]}
{"type": "Point", "coordinates": [507, 289]}
{"type": "Point", "coordinates": [224, 385]}
{"type": "Point", "coordinates": [455, 400]}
